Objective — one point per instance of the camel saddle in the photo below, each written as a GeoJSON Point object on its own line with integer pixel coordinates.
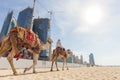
{"type": "Point", "coordinates": [29, 36]}
{"type": "Point", "coordinates": [62, 51]}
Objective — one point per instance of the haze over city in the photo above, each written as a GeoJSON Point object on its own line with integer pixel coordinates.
{"type": "Point", "coordinates": [90, 26]}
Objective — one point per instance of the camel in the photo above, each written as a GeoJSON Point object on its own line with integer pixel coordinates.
{"type": "Point", "coordinates": [62, 53]}
{"type": "Point", "coordinates": [16, 39]}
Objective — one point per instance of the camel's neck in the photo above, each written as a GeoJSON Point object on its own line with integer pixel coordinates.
{"type": "Point", "coordinates": [68, 54]}
{"type": "Point", "coordinates": [45, 46]}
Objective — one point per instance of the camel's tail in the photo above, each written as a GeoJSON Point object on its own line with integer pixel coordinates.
{"type": "Point", "coordinates": [5, 45]}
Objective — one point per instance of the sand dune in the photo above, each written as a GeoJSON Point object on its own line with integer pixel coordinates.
{"type": "Point", "coordinates": [81, 73]}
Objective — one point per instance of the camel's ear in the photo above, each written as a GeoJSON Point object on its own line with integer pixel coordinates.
{"type": "Point", "coordinates": [17, 25]}
{"type": "Point", "coordinates": [68, 49]}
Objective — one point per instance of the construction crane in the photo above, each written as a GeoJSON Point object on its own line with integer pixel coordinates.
{"type": "Point", "coordinates": [32, 14]}
{"type": "Point", "coordinates": [51, 12]}
{"type": "Point", "coordinates": [50, 48]}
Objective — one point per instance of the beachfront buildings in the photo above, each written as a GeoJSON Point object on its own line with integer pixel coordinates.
{"type": "Point", "coordinates": [41, 27]}
{"type": "Point", "coordinates": [25, 17]}
{"type": "Point", "coordinates": [91, 59]}
{"type": "Point", "coordinates": [9, 23]}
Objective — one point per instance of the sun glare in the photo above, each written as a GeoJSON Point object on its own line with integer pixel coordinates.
{"type": "Point", "coordinates": [93, 14]}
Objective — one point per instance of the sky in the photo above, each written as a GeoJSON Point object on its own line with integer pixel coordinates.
{"type": "Point", "coordinates": [84, 26]}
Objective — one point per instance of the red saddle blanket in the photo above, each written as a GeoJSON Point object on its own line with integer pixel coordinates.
{"type": "Point", "coordinates": [17, 56]}
{"type": "Point", "coordinates": [30, 37]}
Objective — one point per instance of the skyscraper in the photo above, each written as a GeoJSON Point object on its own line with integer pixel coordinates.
{"type": "Point", "coordinates": [91, 59]}
{"type": "Point", "coordinates": [81, 59]}
{"type": "Point", "coordinates": [9, 23]}
{"type": "Point", "coordinates": [25, 17]}
{"type": "Point", "coordinates": [40, 27]}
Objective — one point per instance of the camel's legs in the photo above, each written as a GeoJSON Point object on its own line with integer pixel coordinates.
{"type": "Point", "coordinates": [63, 63]}
{"type": "Point", "coordinates": [53, 60]}
{"type": "Point", "coordinates": [56, 65]}
{"type": "Point", "coordinates": [35, 59]}
{"type": "Point", "coordinates": [10, 60]}
{"type": "Point", "coordinates": [66, 64]}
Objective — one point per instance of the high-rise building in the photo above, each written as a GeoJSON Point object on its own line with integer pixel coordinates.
{"type": "Point", "coordinates": [76, 59]}
{"type": "Point", "coordinates": [81, 59]}
{"type": "Point", "coordinates": [9, 23]}
{"type": "Point", "coordinates": [41, 27]}
{"type": "Point", "coordinates": [91, 59]}
{"type": "Point", "coordinates": [25, 17]}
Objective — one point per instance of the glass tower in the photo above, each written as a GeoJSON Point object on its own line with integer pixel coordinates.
{"type": "Point", "coordinates": [91, 59]}
{"type": "Point", "coordinates": [24, 17]}
{"type": "Point", "coordinates": [9, 23]}
{"type": "Point", "coordinates": [81, 59]}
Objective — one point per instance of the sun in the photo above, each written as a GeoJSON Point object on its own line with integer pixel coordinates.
{"type": "Point", "coordinates": [93, 14]}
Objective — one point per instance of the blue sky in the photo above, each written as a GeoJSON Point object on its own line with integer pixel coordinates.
{"type": "Point", "coordinates": [84, 26]}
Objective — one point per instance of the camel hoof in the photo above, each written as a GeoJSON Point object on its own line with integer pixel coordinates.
{"type": "Point", "coordinates": [63, 69]}
{"type": "Point", "coordinates": [25, 70]}
{"type": "Point", "coordinates": [15, 73]}
{"type": "Point", "coordinates": [51, 70]}
{"type": "Point", "coordinates": [57, 69]}
{"type": "Point", "coordinates": [34, 71]}
{"type": "Point", "coordinates": [67, 68]}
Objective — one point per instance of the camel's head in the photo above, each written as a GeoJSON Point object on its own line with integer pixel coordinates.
{"type": "Point", "coordinates": [69, 51]}
{"type": "Point", "coordinates": [49, 40]}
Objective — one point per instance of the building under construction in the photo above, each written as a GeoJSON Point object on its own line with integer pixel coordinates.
{"type": "Point", "coordinates": [41, 27]}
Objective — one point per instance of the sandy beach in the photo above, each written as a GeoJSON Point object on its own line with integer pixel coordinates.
{"type": "Point", "coordinates": [81, 73]}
